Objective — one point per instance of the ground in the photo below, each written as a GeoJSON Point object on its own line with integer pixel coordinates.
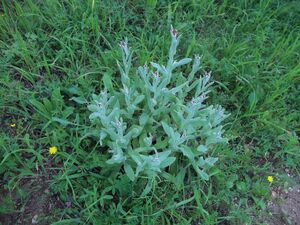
{"type": "Point", "coordinates": [55, 55]}
{"type": "Point", "coordinates": [284, 207]}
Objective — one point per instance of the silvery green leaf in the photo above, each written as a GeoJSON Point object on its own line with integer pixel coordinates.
{"type": "Point", "coordinates": [79, 100]}
{"type": "Point", "coordinates": [213, 140]}
{"type": "Point", "coordinates": [112, 161]}
{"type": "Point", "coordinates": [160, 144]}
{"type": "Point", "coordinates": [160, 68]}
{"type": "Point", "coordinates": [129, 171]}
{"type": "Point", "coordinates": [114, 114]}
{"type": "Point", "coordinates": [169, 130]}
{"type": "Point", "coordinates": [195, 68]}
{"type": "Point", "coordinates": [104, 95]}
{"type": "Point", "coordinates": [96, 97]}
{"type": "Point", "coordinates": [116, 159]}
{"type": "Point", "coordinates": [202, 149]}
{"type": "Point", "coordinates": [94, 108]}
{"type": "Point", "coordinates": [147, 188]}
{"type": "Point", "coordinates": [63, 122]}
{"type": "Point", "coordinates": [136, 157]}
{"type": "Point", "coordinates": [187, 151]}
{"type": "Point", "coordinates": [203, 175]}
{"type": "Point", "coordinates": [102, 136]}
{"type": "Point", "coordinates": [201, 162]}
{"type": "Point", "coordinates": [148, 141]}
{"type": "Point", "coordinates": [178, 88]}
{"type": "Point", "coordinates": [107, 82]}
{"type": "Point", "coordinates": [113, 101]}
{"type": "Point", "coordinates": [211, 161]}
{"type": "Point", "coordinates": [195, 122]}
{"type": "Point", "coordinates": [167, 162]}
{"type": "Point", "coordinates": [154, 162]}
{"type": "Point", "coordinates": [172, 51]}
{"type": "Point", "coordinates": [144, 149]}
{"type": "Point", "coordinates": [139, 99]}
{"type": "Point", "coordinates": [201, 89]}
{"type": "Point", "coordinates": [95, 115]}
{"type": "Point", "coordinates": [113, 135]}
{"type": "Point", "coordinates": [163, 155]}
{"type": "Point", "coordinates": [133, 132]}
{"type": "Point", "coordinates": [192, 86]}
{"type": "Point", "coordinates": [74, 90]}
{"type": "Point", "coordinates": [163, 84]}
{"type": "Point", "coordinates": [143, 119]}
{"type": "Point", "coordinates": [177, 117]}
{"type": "Point", "coordinates": [142, 72]}
{"type": "Point", "coordinates": [181, 62]}
{"type": "Point", "coordinates": [136, 131]}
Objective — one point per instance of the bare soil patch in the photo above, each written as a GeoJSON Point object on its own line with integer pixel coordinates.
{"type": "Point", "coordinates": [32, 203]}
{"type": "Point", "coordinates": [284, 209]}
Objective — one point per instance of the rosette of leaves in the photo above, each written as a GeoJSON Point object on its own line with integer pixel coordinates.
{"type": "Point", "coordinates": [158, 117]}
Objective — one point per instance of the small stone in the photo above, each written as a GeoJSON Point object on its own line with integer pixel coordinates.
{"type": "Point", "coordinates": [34, 219]}
{"type": "Point", "coordinates": [68, 204]}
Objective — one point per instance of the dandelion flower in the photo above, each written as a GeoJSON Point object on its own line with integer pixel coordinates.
{"type": "Point", "coordinates": [270, 179]}
{"type": "Point", "coordinates": [52, 150]}
{"type": "Point", "coordinates": [13, 125]}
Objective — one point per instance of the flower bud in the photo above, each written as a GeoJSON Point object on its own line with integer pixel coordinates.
{"type": "Point", "coordinates": [174, 32]}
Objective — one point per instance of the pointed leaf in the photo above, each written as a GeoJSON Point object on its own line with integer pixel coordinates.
{"type": "Point", "coordinates": [202, 149]}
{"type": "Point", "coordinates": [79, 100]}
{"type": "Point", "coordinates": [186, 151]}
{"type": "Point", "coordinates": [167, 162]}
{"type": "Point", "coordinates": [129, 171]}
{"type": "Point", "coordinates": [107, 82]}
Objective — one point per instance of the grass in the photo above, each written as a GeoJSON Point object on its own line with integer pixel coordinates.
{"type": "Point", "coordinates": [54, 55]}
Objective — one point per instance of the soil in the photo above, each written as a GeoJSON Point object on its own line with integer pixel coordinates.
{"type": "Point", "coordinates": [39, 204]}
{"type": "Point", "coordinates": [284, 209]}
{"type": "Point", "coordinates": [35, 206]}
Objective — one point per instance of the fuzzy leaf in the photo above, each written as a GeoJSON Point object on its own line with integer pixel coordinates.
{"type": "Point", "coordinates": [182, 62]}
{"type": "Point", "coordinates": [95, 115]}
{"type": "Point", "coordinates": [63, 122]}
{"type": "Point", "coordinates": [79, 100]}
{"type": "Point", "coordinates": [159, 68]}
{"type": "Point", "coordinates": [129, 171]}
{"type": "Point", "coordinates": [186, 151]}
{"type": "Point", "coordinates": [211, 161]}
{"type": "Point", "coordinates": [139, 99]}
{"type": "Point", "coordinates": [107, 82]}
{"type": "Point", "coordinates": [169, 130]}
{"type": "Point", "coordinates": [143, 119]}
{"type": "Point", "coordinates": [147, 189]}
{"type": "Point", "coordinates": [202, 149]}
{"type": "Point", "coordinates": [203, 175]}
{"type": "Point", "coordinates": [167, 162]}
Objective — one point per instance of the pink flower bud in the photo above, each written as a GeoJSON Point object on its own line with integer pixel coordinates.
{"type": "Point", "coordinates": [173, 32]}
{"type": "Point", "coordinates": [207, 74]}
{"type": "Point", "coordinates": [123, 44]}
{"type": "Point", "coordinates": [145, 67]}
{"type": "Point", "coordinates": [156, 74]}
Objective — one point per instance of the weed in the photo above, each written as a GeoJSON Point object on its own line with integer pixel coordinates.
{"type": "Point", "coordinates": [56, 54]}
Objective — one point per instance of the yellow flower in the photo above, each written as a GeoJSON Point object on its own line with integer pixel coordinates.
{"type": "Point", "coordinates": [13, 125]}
{"type": "Point", "coordinates": [52, 150]}
{"type": "Point", "coordinates": [270, 179]}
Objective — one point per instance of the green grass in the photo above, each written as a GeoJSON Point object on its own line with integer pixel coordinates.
{"type": "Point", "coordinates": [54, 55]}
